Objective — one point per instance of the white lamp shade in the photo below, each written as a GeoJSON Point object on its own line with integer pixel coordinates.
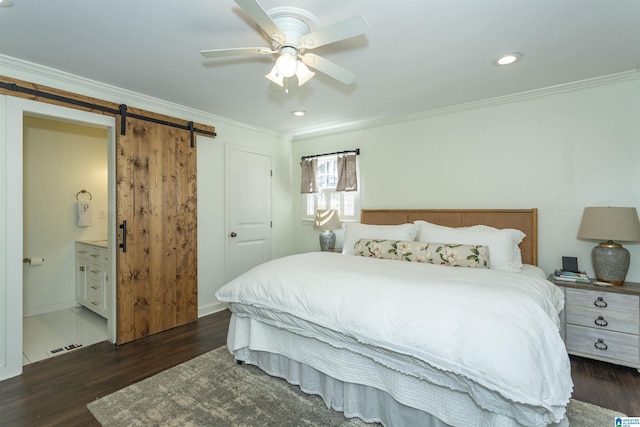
{"type": "Point", "coordinates": [327, 219]}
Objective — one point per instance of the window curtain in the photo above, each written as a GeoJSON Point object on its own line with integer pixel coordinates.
{"type": "Point", "coordinates": [308, 179]}
{"type": "Point", "coordinates": [347, 177]}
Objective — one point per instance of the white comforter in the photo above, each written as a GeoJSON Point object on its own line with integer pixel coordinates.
{"type": "Point", "coordinates": [488, 333]}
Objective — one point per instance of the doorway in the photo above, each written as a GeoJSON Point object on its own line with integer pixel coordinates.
{"type": "Point", "coordinates": [65, 166]}
{"type": "Point", "coordinates": [12, 229]}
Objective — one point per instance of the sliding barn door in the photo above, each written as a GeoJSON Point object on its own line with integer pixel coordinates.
{"type": "Point", "coordinates": [156, 212]}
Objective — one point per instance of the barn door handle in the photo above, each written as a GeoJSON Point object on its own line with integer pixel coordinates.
{"type": "Point", "coordinates": [233, 234]}
{"type": "Point", "coordinates": [123, 245]}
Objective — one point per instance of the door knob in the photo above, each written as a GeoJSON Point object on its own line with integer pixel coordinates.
{"type": "Point", "coordinates": [233, 234]}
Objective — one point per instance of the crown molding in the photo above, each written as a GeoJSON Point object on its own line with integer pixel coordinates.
{"type": "Point", "coordinates": [40, 74]}
{"type": "Point", "coordinates": [484, 103]}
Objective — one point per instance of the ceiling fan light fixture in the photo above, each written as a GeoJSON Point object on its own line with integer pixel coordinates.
{"type": "Point", "coordinates": [304, 74]}
{"type": "Point", "coordinates": [291, 31]}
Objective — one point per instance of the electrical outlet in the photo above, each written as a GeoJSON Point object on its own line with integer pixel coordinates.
{"type": "Point", "coordinates": [102, 213]}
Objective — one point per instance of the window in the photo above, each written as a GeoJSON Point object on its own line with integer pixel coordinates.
{"type": "Point", "coordinates": [346, 202]}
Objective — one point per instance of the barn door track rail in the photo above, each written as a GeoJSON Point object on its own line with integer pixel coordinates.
{"type": "Point", "coordinates": [121, 111]}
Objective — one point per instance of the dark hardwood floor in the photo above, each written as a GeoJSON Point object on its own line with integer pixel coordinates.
{"type": "Point", "coordinates": [56, 391]}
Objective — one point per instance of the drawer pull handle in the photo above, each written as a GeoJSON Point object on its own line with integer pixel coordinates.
{"type": "Point", "coordinates": [600, 345]}
{"type": "Point", "coordinates": [600, 303]}
{"type": "Point", "coordinates": [600, 321]}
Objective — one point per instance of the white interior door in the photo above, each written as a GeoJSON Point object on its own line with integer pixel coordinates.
{"type": "Point", "coordinates": [248, 175]}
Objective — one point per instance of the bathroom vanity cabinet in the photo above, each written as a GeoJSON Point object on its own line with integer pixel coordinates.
{"type": "Point", "coordinates": [92, 267]}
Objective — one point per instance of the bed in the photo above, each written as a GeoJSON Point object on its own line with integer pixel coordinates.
{"type": "Point", "coordinates": [420, 343]}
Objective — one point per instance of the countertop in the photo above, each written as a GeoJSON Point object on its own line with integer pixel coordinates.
{"type": "Point", "coordinates": [99, 243]}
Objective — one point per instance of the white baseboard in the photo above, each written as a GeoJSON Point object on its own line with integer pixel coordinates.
{"type": "Point", "coordinates": [212, 308]}
{"type": "Point", "coordinates": [43, 309]}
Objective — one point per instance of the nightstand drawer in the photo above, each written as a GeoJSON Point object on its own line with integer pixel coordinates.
{"type": "Point", "coordinates": [601, 300]}
{"type": "Point", "coordinates": [619, 321]}
{"type": "Point", "coordinates": [607, 344]}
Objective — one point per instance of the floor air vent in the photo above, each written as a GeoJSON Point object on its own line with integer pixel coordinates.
{"type": "Point", "coordinates": [61, 350]}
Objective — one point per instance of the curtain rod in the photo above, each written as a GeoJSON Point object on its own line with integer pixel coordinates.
{"type": "Point", "coordinates": [356, 152]}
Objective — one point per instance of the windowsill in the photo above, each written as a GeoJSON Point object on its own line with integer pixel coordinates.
{"type": "Point", "coordinates": [309, 222]}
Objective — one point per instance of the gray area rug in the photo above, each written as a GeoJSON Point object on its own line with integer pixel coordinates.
{"type": "Point", "coordinates": [212, 390]}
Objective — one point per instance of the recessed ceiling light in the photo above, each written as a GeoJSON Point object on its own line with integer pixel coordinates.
{"type": "Point", "coordinates": [298, 113]}
{"type": "Point", "coordinates": [508, 59]}
{"type": "Point", "coordinates": [6, 3]}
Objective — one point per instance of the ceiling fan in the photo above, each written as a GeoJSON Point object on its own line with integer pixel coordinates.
{"type": "Point", "coordinates": [290, 34]}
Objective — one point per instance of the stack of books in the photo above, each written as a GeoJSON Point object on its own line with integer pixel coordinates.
{"type": "Point", "coordinates": [570, 276]}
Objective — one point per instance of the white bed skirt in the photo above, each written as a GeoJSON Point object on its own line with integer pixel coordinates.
{"type": "Point", "coordinates": [367, 403]}
{"type": "Point", "coordinates": [351, 382]}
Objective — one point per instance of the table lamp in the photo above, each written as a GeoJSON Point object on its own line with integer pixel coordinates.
{"type": "Point", "coordinates": [610, 224]}
{"type": "Point", "coordinates": [326, 221]}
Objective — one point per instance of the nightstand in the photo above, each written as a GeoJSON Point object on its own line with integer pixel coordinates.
{"type": "Point", "coordinates": [602, 322]}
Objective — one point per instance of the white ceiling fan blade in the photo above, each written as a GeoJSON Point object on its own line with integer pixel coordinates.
{"type": "Point", "coordinates": [329, 68]}
{"type": "Point", "coordinates": [341, 30]}
{"type": "Point", "coordinates": [218, 53]}
{"type": "Point", "coordinates": [264, 21]}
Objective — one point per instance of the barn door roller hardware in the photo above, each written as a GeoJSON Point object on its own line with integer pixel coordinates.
{"type": "Point", "coordinates": [122, 110]}
{"type": "Point", "coordinates": [190, 126]}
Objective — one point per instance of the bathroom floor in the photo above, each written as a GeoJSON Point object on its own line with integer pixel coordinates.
{"type": "Point", "coordinates": [59, 332]}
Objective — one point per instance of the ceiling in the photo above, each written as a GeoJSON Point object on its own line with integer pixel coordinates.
{"type": "Point", "coordinates": [418, 55]}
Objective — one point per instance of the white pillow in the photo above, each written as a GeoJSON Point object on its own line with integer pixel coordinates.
{"type": "Point", "coordinates": [516, 239]}
{"type": "Point", "coordinates": [354, 231]}
{"type": "Point", "coordinates": [503, 243]}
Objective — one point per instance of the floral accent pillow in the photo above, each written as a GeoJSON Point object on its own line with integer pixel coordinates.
{"type": "Point", "coordinates": [449, 254]}
{"type": "Point", "coordinates": [505, 252]}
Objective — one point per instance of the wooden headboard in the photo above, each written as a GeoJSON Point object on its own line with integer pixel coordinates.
{"type": "Point", "coordinates": [525, 220]}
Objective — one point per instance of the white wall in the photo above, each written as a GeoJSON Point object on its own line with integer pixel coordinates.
{"type": "Point", "coordinates": [212, 236]}
{"type": "Point", "coordinates": [60, 159]}
{"type": "Point", "coordinates": [558, 152]}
